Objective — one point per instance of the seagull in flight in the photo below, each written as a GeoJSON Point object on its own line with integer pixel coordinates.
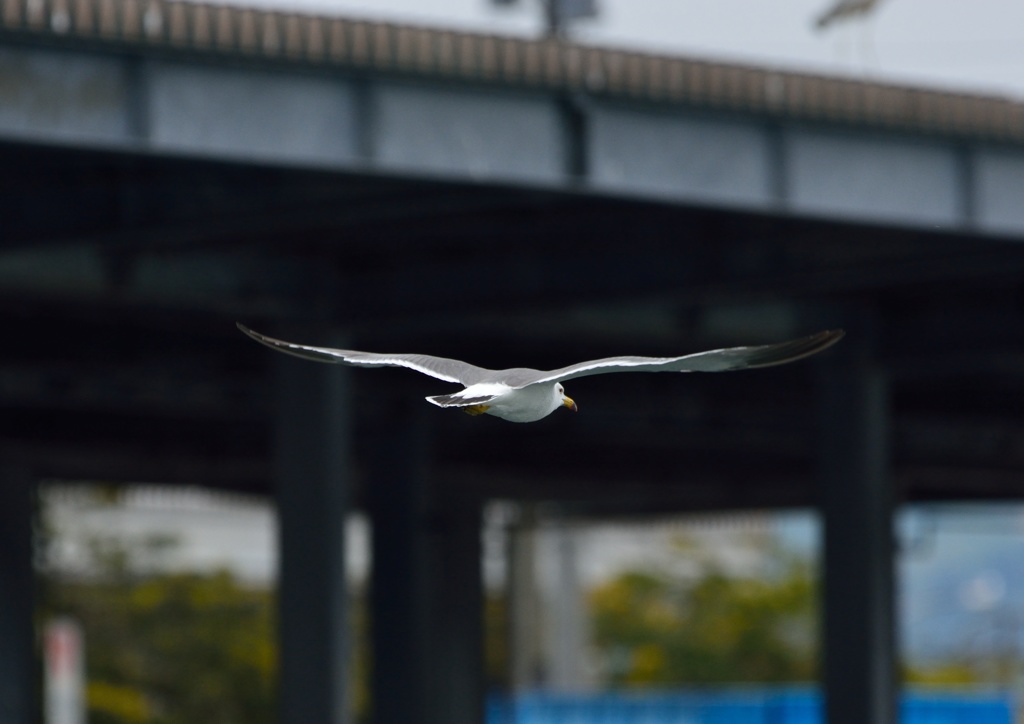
{"type": "Point", "coordinates": [844, 9]}
{"type": "Point", "coordinates": [526, 395]}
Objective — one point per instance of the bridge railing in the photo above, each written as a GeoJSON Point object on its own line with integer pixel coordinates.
{"type": "Point", "coordinates": [240, 32]}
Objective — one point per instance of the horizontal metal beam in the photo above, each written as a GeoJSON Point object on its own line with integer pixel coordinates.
{"type": "Point", "coordinates": [317, 119]}
{"type": "Point", "coordinates": [126, 463]}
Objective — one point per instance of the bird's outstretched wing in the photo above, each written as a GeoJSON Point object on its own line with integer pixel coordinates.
{"type": "Point", "coordinates": [449, 370]}
{"type": "Point", "coordinates": [716, 360]}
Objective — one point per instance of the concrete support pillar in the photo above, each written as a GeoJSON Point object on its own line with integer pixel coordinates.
{"type": "Point", "coordinates": [427, 590]}
{"type": "Point", "coordinates": [859, 667]}
{"type": "Point", "coordinates": [313, 470]}
{"type": "Point", "coordinates": [524, 605]}
{"type": "Point", "coordinates": [18, 704]}
{"type": "Point", "coordinates": [567, 628]}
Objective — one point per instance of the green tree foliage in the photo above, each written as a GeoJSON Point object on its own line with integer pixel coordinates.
{"type": "Point", "coordinates": [652, 628]}
{"type": "Point", "coordinates": [171, 648]}
{"type": "Point", "coordinates": [496, 633]}
{"type": "Point", "coordinates": [942, 675]}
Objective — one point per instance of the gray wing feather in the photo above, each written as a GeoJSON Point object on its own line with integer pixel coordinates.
{"type": "Point", "coordinates": [449, 370]}
{"type": "Point", "coordinates": [716, 360]}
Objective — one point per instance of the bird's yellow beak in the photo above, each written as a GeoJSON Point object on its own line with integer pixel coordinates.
{"type": "Point", "coordinates": [568, 402]}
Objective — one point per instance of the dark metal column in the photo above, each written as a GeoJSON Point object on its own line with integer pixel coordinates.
{"type": "Point", "coordinates": [17, 649]}
{"type": "Point", "coordinates": [456, 620]}
{"type": "Point", "coordinates": [427, 590]}
{"type": "Point", "coordinates": [859, 667]}
{"type": "Point", "coordinates": [397, 497]}
{"type": "Point", "coordinates": [313, 474]}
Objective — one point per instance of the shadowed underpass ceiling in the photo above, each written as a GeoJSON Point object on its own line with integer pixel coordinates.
{"type": "Point", "coordinates": [121, 278]}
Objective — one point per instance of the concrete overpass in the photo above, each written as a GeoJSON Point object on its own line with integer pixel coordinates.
{"type": "Point", "coordinates": [233, 84]}
{"type": "Point", "coordinates": [170, 168]}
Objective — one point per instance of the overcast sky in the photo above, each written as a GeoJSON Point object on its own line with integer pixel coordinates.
{"type": "Point", "coordinates": [972, 45]}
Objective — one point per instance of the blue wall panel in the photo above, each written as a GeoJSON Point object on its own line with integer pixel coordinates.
{"type": "Point", "coordinates": [679, 156]}
{"type": "Point", "coordinates": [999, 178]}
{"type": "Point", "coordinates": [747, 706]}
{"type": "Point", "coordinates": [873, 178]}
{"type": "Point", "coordinates": [258, 115]}
{"type": "Point", "coordinates": [64, 97]}
{"type": "Point", "coordinates": [437, 129]}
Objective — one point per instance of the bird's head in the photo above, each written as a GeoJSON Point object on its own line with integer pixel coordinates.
{"type": "Point", "coordinates": [563, 399]}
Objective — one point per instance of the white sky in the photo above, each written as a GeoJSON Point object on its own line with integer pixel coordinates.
{"type": "Point", "coordinates": [972, 45]}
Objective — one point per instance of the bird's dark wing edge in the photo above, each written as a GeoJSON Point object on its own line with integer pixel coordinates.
{"type": "Point", "coordinates": [716, 360]}
{"type": "Point", "coordinates": [442, 368]}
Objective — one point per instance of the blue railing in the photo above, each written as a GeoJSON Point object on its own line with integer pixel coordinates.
{"type": "Point", "coordinates": [743, 706]}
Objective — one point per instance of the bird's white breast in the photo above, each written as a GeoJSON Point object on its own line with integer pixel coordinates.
{"type": "Point", "coordinates": [527, 404]}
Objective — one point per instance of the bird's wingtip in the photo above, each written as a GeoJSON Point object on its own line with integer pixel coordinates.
{"type": "Point", "coordinates": [259, 337]}
{"type": "Point", "coordinates": [248, 332]}
{"type": "Point", "coordinates": [823, 340]}
{"type": "Point", "coordinates": [833, 335]}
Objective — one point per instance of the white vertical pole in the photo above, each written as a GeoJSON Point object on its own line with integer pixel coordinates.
{"type": "Point", "coordinates": [568, 630]}
{"type": "Point", "coordinates": [64, 672]}
{"type": "Point", "coordinates": [524, 609]}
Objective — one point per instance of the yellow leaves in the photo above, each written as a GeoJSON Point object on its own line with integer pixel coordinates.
{"type": "Point", "coordinates": [257, 653]}
{"type": "Point", "coordinates": [148, 597]}
{"type": "Point", "coordinates": [615, 598]}
{"type": "Point", "coordinates": [175, 648]}
{"type": "Point", "coordinates": [119, 703]}
{"type": "Point", "coordinates": [648, 664]}
{"type": "Point", "coordinates": [654, 629]}
{"type": "Point", "coordinates": [943, 675]}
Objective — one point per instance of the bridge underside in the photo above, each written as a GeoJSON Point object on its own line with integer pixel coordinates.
{"type": "Point", "coordinates": [122, 276]}
{"type": "Point", "coordinates": [483, 198]}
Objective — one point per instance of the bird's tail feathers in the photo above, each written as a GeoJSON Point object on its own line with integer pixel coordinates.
{"type": "Point", "coordinates": [457, 400]}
